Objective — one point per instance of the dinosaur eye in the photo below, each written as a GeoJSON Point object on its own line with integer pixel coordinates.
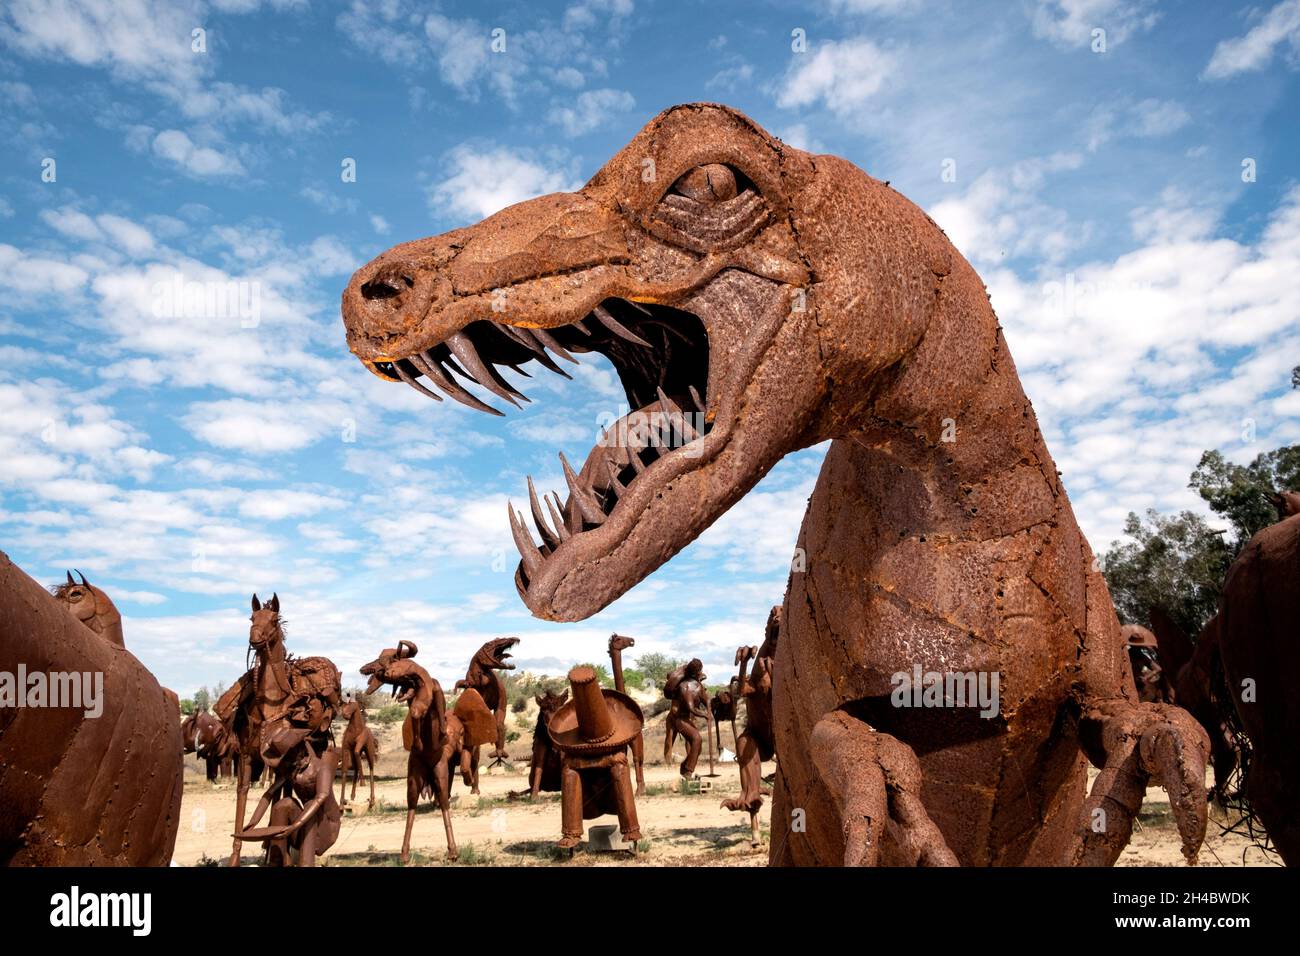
{"type": "Point", "coordinates": [711, 183]}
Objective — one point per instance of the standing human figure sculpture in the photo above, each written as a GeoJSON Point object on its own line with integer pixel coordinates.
{"type": "Point", "coordinates": [758, 742]}
{"type": "Point", "coordinates": [305, 817]}
{"type": "Point", "coordinates": [684, 686]}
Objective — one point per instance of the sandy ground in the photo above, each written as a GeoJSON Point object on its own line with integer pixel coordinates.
{"type": "Point", "coordinates": [678, 829]}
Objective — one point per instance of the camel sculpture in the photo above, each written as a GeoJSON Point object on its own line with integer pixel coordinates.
{"type": "Point", "coordinates": [1261, 669]}
{"type": "Point", "coordinates": [277, 689]}
{"type": "Point", "coordinates": [754, 300]}
{"type": "Point", "coordinates": [592, 733]}
{"type": "Point", "coordinates": [483, 677]}
{"type": "Point", "coordinates": [544, 768]}
{"type": "Point", "coordinates": [437, 741]}
{"type": "Point", "coordinates": [209, 739]}
{"type": "Point", "coordinates": [305, 817]}
{"type": "Point", "coordinates": [358, 744]}
{"type": "Point", "coordinates": [758, 742]}
{"type": "Point", "coordinates": [617, 645]}
{"type": "Point", "coordinates": [80, 787]}
{"type": "Point", "coordinates": [684, 687]}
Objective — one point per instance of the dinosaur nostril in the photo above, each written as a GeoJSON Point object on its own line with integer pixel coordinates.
{"type": "Point", "coordinates": [380, 289]}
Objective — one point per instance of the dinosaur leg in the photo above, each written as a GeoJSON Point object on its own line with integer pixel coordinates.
{"type": "Point", "coordinates": [625, 802]}
{"type": "Point", "coordinates": [500, 752]}
{"type": "Point", "coordinates": [638, 761]}
{"type": "Point", "coordinates": [241, 801]}
{"type": "Point", "coordinates": [442, 788]}
{"type": "Point", "coordinates": [414, 781]}
{"type": "Point", "coordinates": [751, 784]}
{"type": "Point", "coordinates": [875, 781]}
{"type": "Point", "coordinates": [469, 768]}
{"type": "Point", "coordinates": [535, 771]}
{"type": "Point", "coordinates": [370, 763]}
{"type": "Point", "coordinates": [1131, 743]}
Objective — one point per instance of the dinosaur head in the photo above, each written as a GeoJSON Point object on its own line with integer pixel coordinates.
{"type": "Point", "coordinates": [495, 655]}
{"type": "Point", "coordinates": [380, 668]}
{"type": "Point", "coordinates": [732, 282]}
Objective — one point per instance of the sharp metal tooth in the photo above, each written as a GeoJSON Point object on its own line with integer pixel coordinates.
{"type": "Point", "coordinates": [695, 397]}
{"type": "Point", "coordinates": [634, 456]}
{"type": "Point", "coordinates": [526, 338]}
{"type": "Point", "coordinates": [524, 542]}
{"type": "Point", "coordinates": [581, 326]}
{"type": "Point", "coordinates": [619, 488]}
{"type": "Point", "coordinates": [463, 348]}
{"type": "Point", "coordinates": [618, 328]}
{"type": "Point", "coordinates": [549, 536]}
{"type": "Point", "coordinates": [554, 510]}
{"type": "Point", "coordinates": [638, 306]}
{"type": "Point", "coordinates": [680, 421]}
{"type": "Point", "coordinates": [427, 364]}
{"type": "Point", "coordinates": [518, 370]}
{"type": "Point", "coordinates": [590, 509]}
{"type": "Point", "coordinates": [547, 339]}
{"type": "Point", "coordinates": [406, 377]}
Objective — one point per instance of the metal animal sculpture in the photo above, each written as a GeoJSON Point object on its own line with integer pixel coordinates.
{"type": "Point", "coordinates": [758, 742]}
{"type": "Point", "coordinates": [544, 768]}
{"type": "Point", "coordinates": [722, 706]}
{"type": "Point", "coordinates": [358, 744]}
{"type": "Point", "coordinates": [685, 688]}
{"type": "Point", "coordinates": [96, 782]}
{"type": "Point", "coordinates": [617, 645]}
{"type": "Point", "coordinates": [209, 739]}
{"type": "Point", "coordinates": [592, 733]}
{"type": "Point", "coordinates": [1150, 682]}
{"type": "Point", "coordinates": [437, 740]}
{"type": "Point", "coordinates": [305, 817]}
{"type": "Point", "coordinates": [483, 677]}
{"type": "Point", "coordinates": [755, 299]}
{"type": "Point", "coordinates": [1261, 667]}
{"type": "Point", "coordinates": [277, 689]}
{"type": "Point", "coordinates": [92, 607]}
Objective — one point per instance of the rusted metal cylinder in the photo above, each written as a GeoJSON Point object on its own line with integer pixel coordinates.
{"type": "Point", "coordinates": [79, 788]}
{"type": "Point", "coordinates": [594, 719]}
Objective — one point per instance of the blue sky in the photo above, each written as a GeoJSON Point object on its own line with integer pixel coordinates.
{"type": "Point", "coordinates": [183, 457]}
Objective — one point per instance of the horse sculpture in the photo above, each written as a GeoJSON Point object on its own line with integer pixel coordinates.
{"type": "Point", "coordinates": [358, 744]}
{"type": "Point", "coordinates": [277, 689]}
{"type": "Point", "coordinates": [754, 300]}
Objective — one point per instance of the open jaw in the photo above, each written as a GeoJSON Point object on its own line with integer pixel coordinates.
{"type": "Point", "coordinates": [661, 356]}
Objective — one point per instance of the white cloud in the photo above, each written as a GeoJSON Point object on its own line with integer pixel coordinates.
{"type": "Point", "coordinates": [1070, 23]}
{"type": "Point", "coordinates": [842, 74]}
{"type": "Point", "coordinates": [177, 148]}
{"type": "Point", "coordinates": [590, 109]}
{"type": "Point", "coordinates": [483, 181]}
{"type": "Point", "coordinates": [1255, 49]}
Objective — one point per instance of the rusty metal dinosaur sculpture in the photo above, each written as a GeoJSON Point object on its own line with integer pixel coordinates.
{"type": "Point", "coordinates": [755, 299]}
{"type": "Point", "coordinates": [617, 645]}
{"type": "Point", "coordinates": [358, 744]}
{"type": "Point", "coordinates": [758, 742]}
{"type": "Point", "coordinates": [208, 738]}
{"type": "Point", "coordinates": [92, 606]}
{"type": "Point", "coordinates": [277, 689]}
{"type": "Point", "coordinates": [483, 677]}
{"type": "Point", "coordinates": [437, 740]}
{"type": "Point", "coordinates": [80, 788]}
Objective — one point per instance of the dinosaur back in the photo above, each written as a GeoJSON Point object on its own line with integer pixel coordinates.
{"type": "Point", "coordinates": [474, 713]}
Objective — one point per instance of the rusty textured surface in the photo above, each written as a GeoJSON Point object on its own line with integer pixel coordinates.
{"type": "Point", "coordinates": [482, 676]}
{"type": "Point", "coordinates": [592, 732]}
{"type": "Point", "coordinates": [358, 744]}
{"type": "Point", "coordinates": [758, 742]}
{"type": "Point", "coordinates": [437, 740]}
{"type": "Point", "coordinates": [754, 300]}
{"type": "Point", "coordinates": [618, 643]}
{"type": "Point", "coordinates": [208, 738]}
{"type": "Point", "coordinates": [544, 767]}
{"type": "Point", "coordinates": [76, 790]}
{"type": "Point", "coordinates": [277, 690]}
{"type": "Point", "coordinates": [684, 687]}
{"type": "Point", "coordinates": [91, 606]}
{"type": "Point", "coordinates": [1260, 605]}
{"type": "Point", "coordinates": [305, 819]}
